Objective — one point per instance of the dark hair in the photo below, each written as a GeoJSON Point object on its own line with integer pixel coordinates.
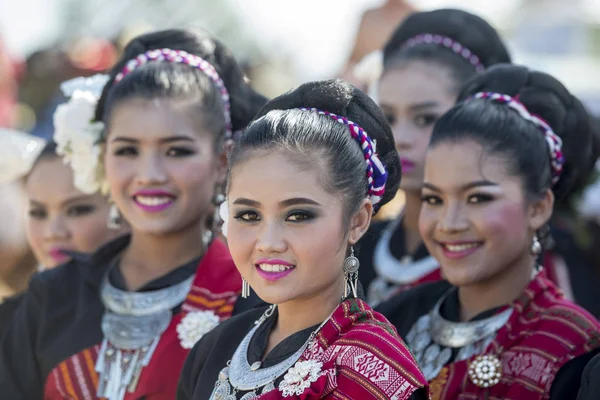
{"type": "Point", "coordinates": [471, 31]}
{"type": "Point", "coordinates": [310, 137]}
{"type": "Point", "coordinates": [182, 82]}
{"type": "Point", "coordinates": [501, 130]}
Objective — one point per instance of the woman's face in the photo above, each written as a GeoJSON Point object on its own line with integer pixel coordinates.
{"type": "Point", "coordinates": [161, 166]}
{"type": "Point", "coordinates": [61, 217]}
{"type": "Point", "coordinates": [475, 218]}
{"type": "Point", "coordinates": [286, 233]}
{"type": "Point", "coordinates": [413, 96]}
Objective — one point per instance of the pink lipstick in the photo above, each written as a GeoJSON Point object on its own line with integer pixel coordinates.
{"type": "Point", "coordinates": [153, 200]}
{"type": "Point", "coordinates": [458, 250]}
{"type": "Point", "coordinates": [58, 256]}
{"type": "Point", "coordinates": [407, 166]}
{"type": "Point", "coordinates": [273, 269]}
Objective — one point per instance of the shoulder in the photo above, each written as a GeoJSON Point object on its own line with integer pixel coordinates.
{"type": "Point", "coordinates": [578, 325]}
{"type": "Point", "coordinates": [404, 309]}
{"type": "Point", "coordinates": [372, 347]}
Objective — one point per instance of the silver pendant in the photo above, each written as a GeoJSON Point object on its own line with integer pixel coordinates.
{"type": "Point", "coordinates": [255, 366]}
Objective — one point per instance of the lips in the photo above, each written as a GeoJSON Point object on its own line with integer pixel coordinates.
{"type": "Point", "coordinates": [459, 250]}
{"type": "Point", "coordinates": [58, 255]}
{"type": "Point", "coordinates": [407, 165]}
{"type": "Point", "coordinates": [274, 270]}
{"type": "Point", "coordinates": [153, 200]}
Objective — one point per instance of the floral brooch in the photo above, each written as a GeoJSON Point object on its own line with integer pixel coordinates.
{"type": "Point", "coordinates": [195, 325]}
{"type": "Point", "coordinates": [300, 377]}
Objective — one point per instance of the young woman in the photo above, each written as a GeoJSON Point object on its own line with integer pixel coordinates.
{"type": "Point", "coordinates": [119, 324]}
{"type": "Point", "coordinates": [61, 218]}
{"type": "Point", "coordinates": [425, 62]}
{"type": "Point", "coordinates": [494, 167]}
{"type": "Point", "coordinates": [300, 197]}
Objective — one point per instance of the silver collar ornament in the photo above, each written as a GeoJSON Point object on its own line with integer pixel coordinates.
{"type": "Point", "coordinates": [132, 325]}
{"type": "Point", "coordinates": [433, 338]}
{"type": "Point", "coordinates": [392, 272]}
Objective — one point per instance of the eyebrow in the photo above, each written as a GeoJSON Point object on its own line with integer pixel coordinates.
{"type": "Point", "coordinates": [64, 203]}
{"type": "Point", "coordinates": [468, 186]}
{"type": "Point", "coordinates": [170, 139]}
{"type": "Point", "coordinates": [424, 105]}
{"type": "Point", "coordinates": [285, 203]}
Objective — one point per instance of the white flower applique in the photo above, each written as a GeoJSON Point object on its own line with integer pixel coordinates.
{"type": "Point", "coordinates": [300, 377]}
{"type": "Point", "coordinates": [195, 325]}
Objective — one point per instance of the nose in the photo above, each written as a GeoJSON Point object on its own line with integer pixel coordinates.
{"type": "Point", "coordinates": [151, 169]}
{"type": "Point", "coordinates": [270, 238]}
{"type": "Point", "coordinates": [56, 229]}
{"type": "Point", "coordinates": [403, 135]}
{"type": "Point", "coordinates": [453, 219]}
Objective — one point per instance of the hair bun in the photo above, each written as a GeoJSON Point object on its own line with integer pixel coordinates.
{"type": "Point", "coordinates": [546, 97]}
{"type": "Point", "coordinates": [340, 97]}
{"type": "Point", "coordinates": [469, 30]}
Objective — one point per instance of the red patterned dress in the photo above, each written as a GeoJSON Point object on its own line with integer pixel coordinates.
{"type": "Point", "coordinates": [52, 348]}
{"type": "Point", "coordinates": [355, 354]}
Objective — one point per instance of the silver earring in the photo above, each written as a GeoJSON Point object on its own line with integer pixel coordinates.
{"type": "Point", "coordinates": [114, 218]}
{"type": "Point", "coordinates": [351, 265]}
{"type": "Point", "coordinates": [536, 246]}
{"type": "Point", "coordinates": [245, 289]}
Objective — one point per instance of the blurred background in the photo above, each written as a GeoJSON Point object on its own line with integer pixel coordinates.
{"type": "Point", "coordinates": [280, 43]}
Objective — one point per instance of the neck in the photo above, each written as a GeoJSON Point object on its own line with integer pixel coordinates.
{"type": "Point", "coordinates": [151, 256]}
{"type": "Point", "coordinates": [297, 315]}
{"type": "Point", "coordinates": [16, 274]}
{"type": "Point", "coordinates": [498, 291]}
{"type": "Point", "coordinates": [410, 221]}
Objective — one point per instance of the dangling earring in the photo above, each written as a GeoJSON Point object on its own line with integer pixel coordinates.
{"type": "Point", "coordinates": [351, 265]}
{"type": "Point", "coordinates": [245, 289]}
{"type": "Point", "coordinates": [536, 246]}
{"type": "Point", "coordinates": [114, 218]}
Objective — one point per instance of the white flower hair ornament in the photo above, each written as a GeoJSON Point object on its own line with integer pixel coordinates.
{"type": "Point", "coordinates": [77, 136]}
{"type": "Point", "coordinates": [224, 214]}
{"type": "Point", "coordinates": [19, 151]}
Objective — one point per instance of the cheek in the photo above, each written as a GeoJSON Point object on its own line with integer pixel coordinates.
{"type": "Point", "coordinates": [427, 218]}
{"type": "Point", "coordinates": [504, 223]}
{"type": "Point", "coordinates": [90, 232]}
{"type": "Point", "coordinates": [35, 233]}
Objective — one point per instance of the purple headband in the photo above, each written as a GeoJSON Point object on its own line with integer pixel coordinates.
{"type": "Point", "coordinates": [430, 38]}
{"type": "Point", "coordinates": [182, 57]}
{"type": "Point", "coordinates": [557, 159]}
{"type": "Point", "coordinates": [376, 173]}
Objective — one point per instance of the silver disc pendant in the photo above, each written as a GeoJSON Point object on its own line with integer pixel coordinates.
{"type": "Point", "coordinates": [351, 265]}
{"type": "Point", "coordinates": [255, 366]}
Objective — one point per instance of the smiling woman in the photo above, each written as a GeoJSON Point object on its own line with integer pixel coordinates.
{"type": "Point", "coordinates": [119, 323]}
{"type": "Point", "coordinates": [304, 181]}
{"type": "Point", "coordinates": [499, 328]}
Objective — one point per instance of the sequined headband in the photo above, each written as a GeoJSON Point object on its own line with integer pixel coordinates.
{"type": "Point", "coordinates": [376, 172]}
{"type": "Point", "coordinates": [430, 38]}
{"type": "Point", "coordinates": [557, 159]}
{"type": "Point", "coordinates": [182, 57]}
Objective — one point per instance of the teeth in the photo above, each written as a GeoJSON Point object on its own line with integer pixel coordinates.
{"type": "Point", "coordinates": [274, 267]}
{"type": "Point", "coordinates": [460, 247]}
{"type": "Point", "coordinates": [152, 201]}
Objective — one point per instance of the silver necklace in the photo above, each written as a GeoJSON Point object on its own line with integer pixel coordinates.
{"type": "Point", "coordinates": [392, 272]}
{"type": "Point", "coordinates": [433, 337]}
{"type": "Point", "coordinates": [239, 375]}
{"type": "Point", "coordinates": [132, 326]}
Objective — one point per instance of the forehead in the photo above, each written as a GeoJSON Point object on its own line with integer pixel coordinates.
{"type": "Point", "coordinates": [154, 118]}
{"type": "Point", "coordinates": [416, 82]}
{"type": "Point", "coordinates": [454, 164]}
{"type": "Point", "coordinates": [51, 180]}
{"type": "Point", "coordinates": [272, 176]}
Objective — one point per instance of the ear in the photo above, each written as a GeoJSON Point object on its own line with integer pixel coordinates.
{"type": "Point", "coordinates": [360, 222]}
{"type": "Point", "coordinates": [540, 210]}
